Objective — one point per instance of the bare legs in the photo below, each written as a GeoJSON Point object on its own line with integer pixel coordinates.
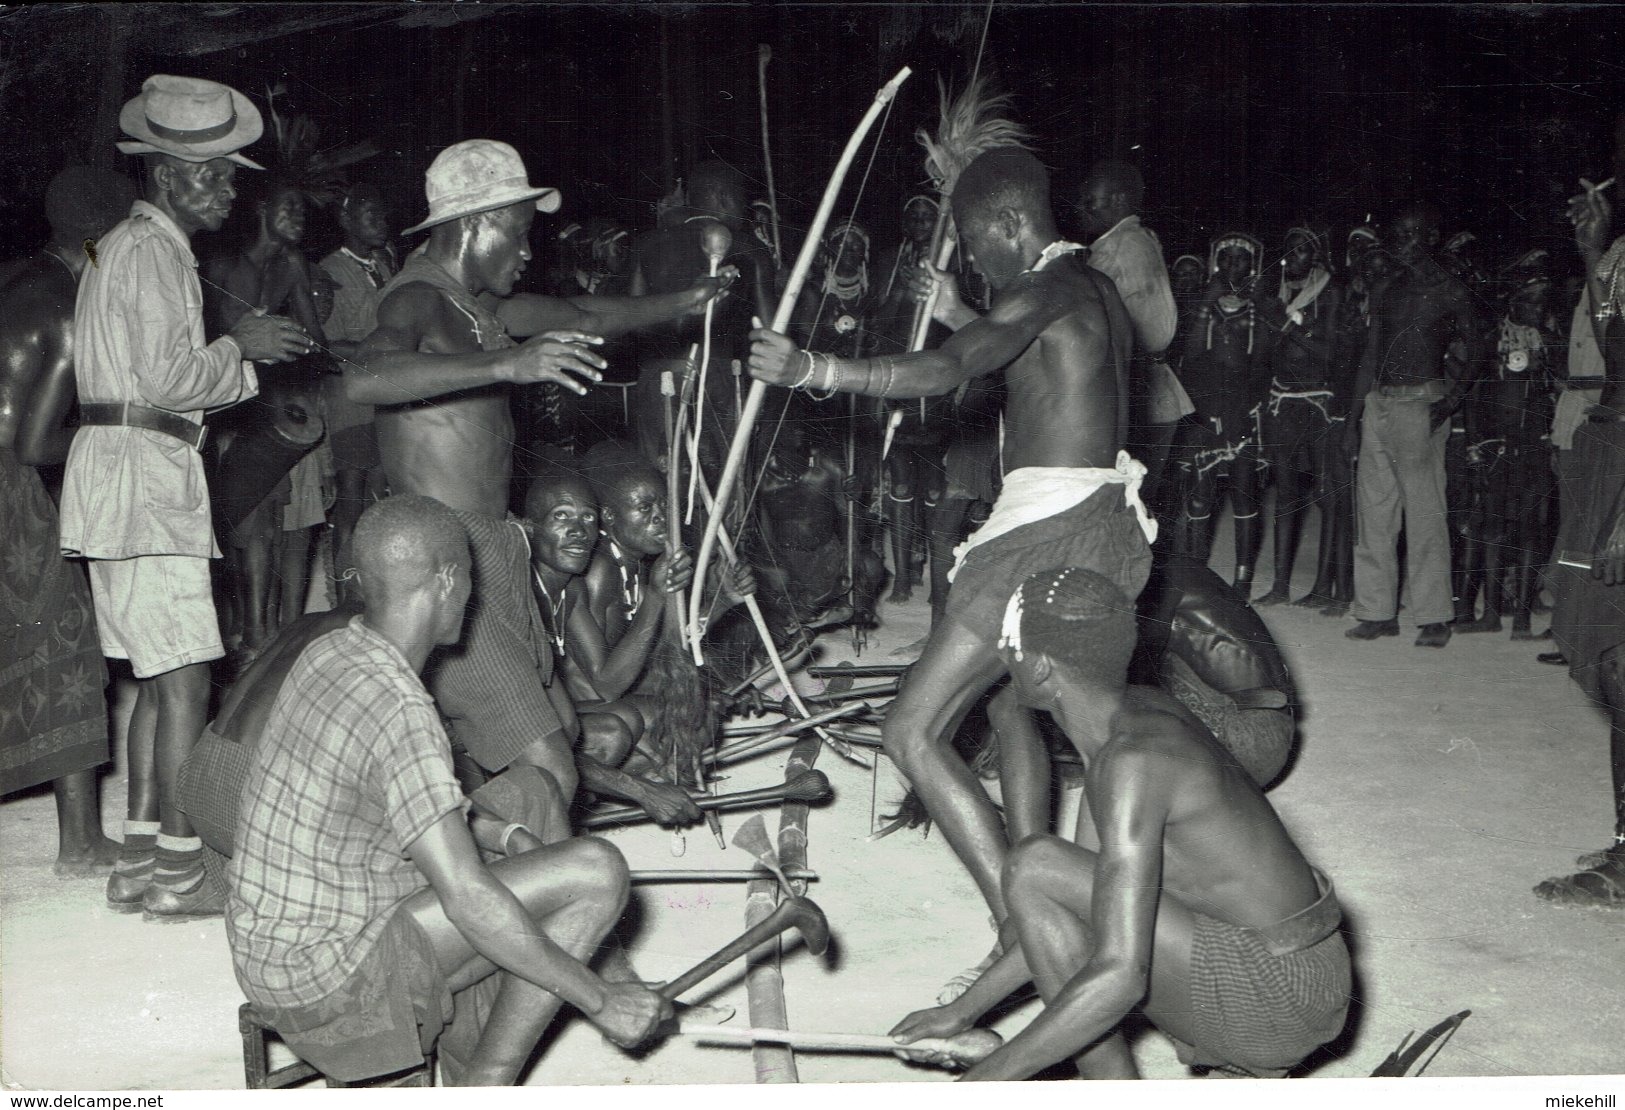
{"type": "Point", "coordinates": [1050, 887]}
{"type": "Point", "coordinates": [574, 892]}
{"type": "Point", "coordinates": [170, 712]}
{"type": "Point", "coordinates": [81, 848]}
{"type": "Point", "coordinates": [957, 667]}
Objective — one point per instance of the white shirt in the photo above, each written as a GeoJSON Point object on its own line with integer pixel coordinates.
{"type": "Point", "coordinates": [138, 337]}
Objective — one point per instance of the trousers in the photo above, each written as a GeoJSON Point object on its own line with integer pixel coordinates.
{"type": "Point", "coordinates": [1401, 483]}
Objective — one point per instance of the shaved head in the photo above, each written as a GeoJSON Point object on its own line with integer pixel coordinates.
{"type": "Point", "coordinates": [402, 543]}
{"type": "Point", "coordinates": [552, 481]}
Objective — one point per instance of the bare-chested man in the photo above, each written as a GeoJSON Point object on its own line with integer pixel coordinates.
{"type": "Point", "coordinates": [53, 727]}
{"type": "Point", "coordinates": [440, 366]}
{"type": "Point", "coordinates": [1197, 907]}
{"type": "Point", "coordinates": [1060, 334]}
{"type": "Point", "coordinates": [562, 511]}
{"type": "Point", "coordinates": [1412, 378]}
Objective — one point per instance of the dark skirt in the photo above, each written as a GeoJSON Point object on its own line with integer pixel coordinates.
{"type": "Point", "coordinates": [53, 710]}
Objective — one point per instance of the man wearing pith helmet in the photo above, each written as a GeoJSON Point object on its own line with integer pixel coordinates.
{"type": "Point", "coordinates": [440, 368]}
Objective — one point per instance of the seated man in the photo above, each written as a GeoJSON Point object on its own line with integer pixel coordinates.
{"type": "Point", "coordinates": [1198, 907]}
{"type": "Point", "coordinates": [613, 756]}
{"type": "Point", "coordinates": [358, 902]}
{"type": "Point", "coordinates": [625, 653]}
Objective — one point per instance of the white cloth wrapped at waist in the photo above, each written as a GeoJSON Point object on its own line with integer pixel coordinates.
{"type": "Point", "coordinates": [1035, 493]}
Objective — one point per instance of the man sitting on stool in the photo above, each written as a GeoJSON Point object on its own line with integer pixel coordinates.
{"type": "Point", "coordinates": [358, 902]}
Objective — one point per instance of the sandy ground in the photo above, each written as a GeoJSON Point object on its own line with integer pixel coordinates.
{"type": "Point", "coordinates": [1436, 787]}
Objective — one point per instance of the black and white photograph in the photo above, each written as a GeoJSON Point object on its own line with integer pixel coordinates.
{"type": "Point", "coordinates": [609, 545]}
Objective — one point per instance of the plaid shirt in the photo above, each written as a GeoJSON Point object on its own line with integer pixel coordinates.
{"type": "Point", "coordinates": [353, 767]}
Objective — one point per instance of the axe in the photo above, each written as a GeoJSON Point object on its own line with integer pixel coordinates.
{"type": "Point", "coordinates": [801, 914]}
{"type": "Point", "coordinates": [809, 786]}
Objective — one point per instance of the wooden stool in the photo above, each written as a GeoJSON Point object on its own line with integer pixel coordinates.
{"type": "Point", "coordinates": [258, 1075]}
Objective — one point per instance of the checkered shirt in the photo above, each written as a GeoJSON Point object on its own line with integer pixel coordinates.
{"type": "Point", "coordinates": [353, 767]}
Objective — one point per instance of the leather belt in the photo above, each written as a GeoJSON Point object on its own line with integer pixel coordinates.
{"type": "Point", "coordinates": [131, 415]}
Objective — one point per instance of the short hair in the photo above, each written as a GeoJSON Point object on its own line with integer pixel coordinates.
{"type": "Point", "coordinates": [361, 193]}
{"type": "Point", "coordinates": [1080, 619]}
{"type": "Point", "coordinates": [1123, 177]}
{"type": "Point", "coordinates": [82, 202]}
{"type": "Point", "coordinates": [402, 541]}
{"type": "Point", "coordinates": [551, 477]}
{"type": "Point", "coordinates": [611, 465]}
{"type": "Point", "coordinates": [1004, 177]}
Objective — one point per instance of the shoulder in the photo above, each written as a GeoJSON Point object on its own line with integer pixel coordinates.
{"type": "Point", "coordinates": [36, 283]}
{"type": "Point", "coordinates": [1153, 746]}
{"type": "Point", "coordinates": [411, 301]}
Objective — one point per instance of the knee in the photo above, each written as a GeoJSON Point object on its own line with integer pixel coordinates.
{"type": "Point", "coordinates": [600, 870]}
{"type": "Point", "coordinates": [555, 758]}
{"type": "Point", "coordinates": [1030, 867]}
{"type": "Point", "coordinates": [1005, 710]}
{"type": "Point", "coordinates": [904, 739]}
{"type": "Point", "coordinates": [606, 738]}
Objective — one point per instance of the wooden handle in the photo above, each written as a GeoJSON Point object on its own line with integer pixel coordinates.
{"type": "Point", "coordinates": [969, 1047]}
{"type": "Point", "coordinates": [810, 787]}
{"type": "Point", "coordinates": [784, 915]}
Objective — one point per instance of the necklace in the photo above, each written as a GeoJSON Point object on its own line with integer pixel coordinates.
{"type": "Point", "coordinates": [555, 613]}
{"type": "Point", "coordinates": [631, 585]}
{"type": "Point", "coordinates": [64, 262]}
{"type": "Point", "coordinates": [1051, 253]}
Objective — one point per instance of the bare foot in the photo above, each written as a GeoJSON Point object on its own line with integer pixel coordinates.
{"type": "Point", "coordinates": [1486, 623]}
{"type": "Point", "coordinates": [959, 984]}
{"type": "Point", "coordinates": [1314, 599]}
{"type": "Point", "coordinates": [901, 591]}
{"type": "Point", "coordinates": [1335, 609]}
{"type": "Point", "coordinates": [90, 861]}
{"type": "Point", "coordinates": [1276, 596]}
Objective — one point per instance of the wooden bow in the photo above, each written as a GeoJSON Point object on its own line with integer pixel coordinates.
{"type": "Point", "coordinates": [781, 321]}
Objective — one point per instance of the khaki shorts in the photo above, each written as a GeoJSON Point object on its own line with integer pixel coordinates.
{"type": "Point", "coordinates": [157, 611]}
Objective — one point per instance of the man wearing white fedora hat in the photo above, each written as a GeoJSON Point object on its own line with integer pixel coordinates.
{"type": "Point", "coordinates": [439, 367]}
{"type": "Point", "coordinates": [134, 498]}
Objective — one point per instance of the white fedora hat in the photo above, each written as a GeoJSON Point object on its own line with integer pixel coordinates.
{"type": "Point", "coordinates": [191, 118]}
{"type": "Point", "coordinates": [479, 175]}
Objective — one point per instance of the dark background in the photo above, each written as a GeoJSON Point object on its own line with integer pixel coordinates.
{"type": "Point", "coordinates": [1255, 117]}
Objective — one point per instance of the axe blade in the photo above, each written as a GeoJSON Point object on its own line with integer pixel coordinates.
{"type": "Point", "coordinates": [753, 838]}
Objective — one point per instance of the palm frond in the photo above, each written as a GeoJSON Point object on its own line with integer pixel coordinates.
{"type": "Point", "coordinates": [971, 124]}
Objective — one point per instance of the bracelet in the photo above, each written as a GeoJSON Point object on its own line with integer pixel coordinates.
{"type": "Point", "coordinates": [835, 374]}
{"type": "Point", "coordinates": [801, 383]}
{"type": "Point", "coordinates": [886, 364]}
{"type": "Point", "coordinates": [507, 835]}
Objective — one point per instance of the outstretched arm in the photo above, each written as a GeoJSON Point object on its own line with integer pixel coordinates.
{"type": "Point", "coordinates": [983, 346]}
{"type": "Point", "coordinates": [417, 353]}
{"type": "Point", "coordinates": [527, 314]}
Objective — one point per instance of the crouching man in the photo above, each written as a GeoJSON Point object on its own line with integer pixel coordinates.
{"type": "Point", "coordinates": [1197, 908]}
{"type": "Point", "coordinates": [358, 904]}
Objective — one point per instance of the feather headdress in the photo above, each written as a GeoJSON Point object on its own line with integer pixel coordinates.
{"type": "Point", "coordinates": [300, 162]}
{"type": "Point", "coordinates": [971, 125]}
